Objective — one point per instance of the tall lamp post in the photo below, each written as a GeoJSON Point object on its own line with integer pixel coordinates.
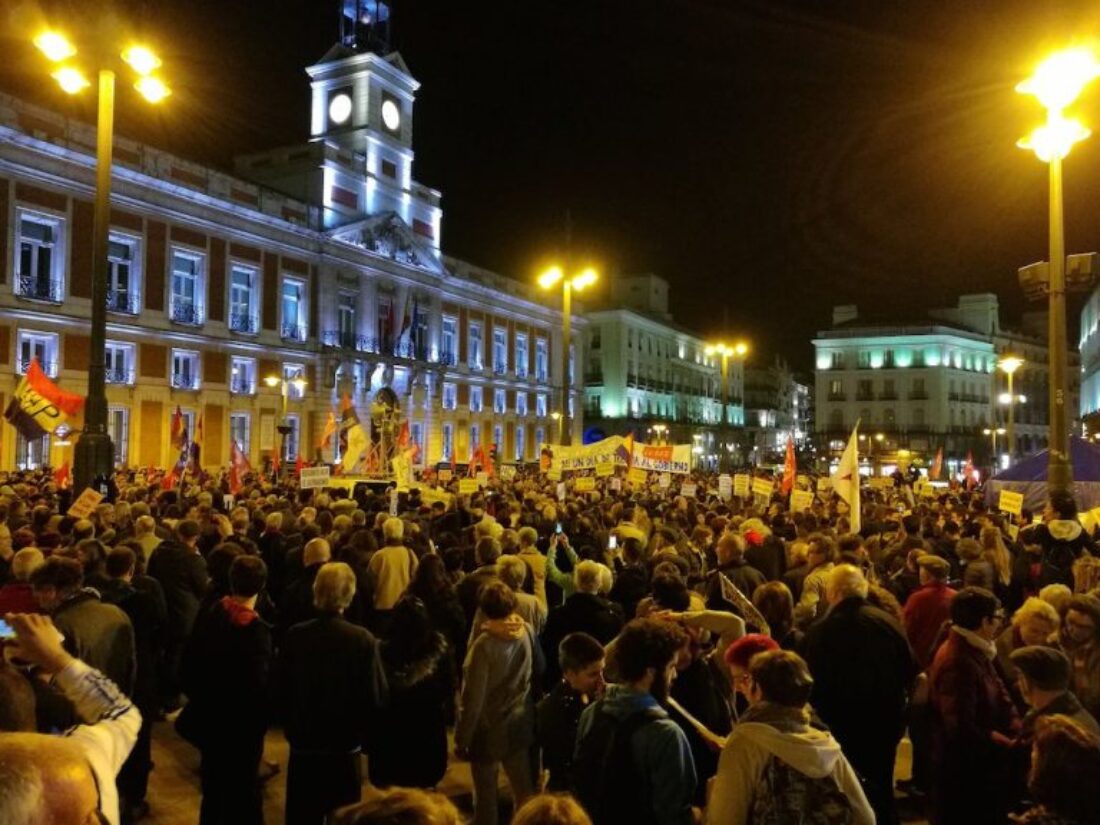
{"type": "Point", "coordinates": [93, 456]}
{"type": "Point", "coordinates": [724, 351]}
{"type": "Point", "coordinates": [285, 384]}
{"type": "Point", "coordinates": [1008, 365]}
{"type": "Point", "coordinates": [548, 280]}
{"type": "Point", "coordinates": [1057, 82]}
{"type": "Point", "coordinates": [993, 432]}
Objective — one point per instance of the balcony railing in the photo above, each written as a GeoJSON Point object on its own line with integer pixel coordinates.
{"type": "Point", "coordinates": [521, 372]}
{"type": "Point", "coordinates": [40, 289]}
{"type": "Point", "coordinates": [126, 302]}
{"type": "Point", "coordinates": [411, 350]}
{"type": "Point", "coordinates": [294, 332]}
{"type": "Point", "coordinates": [182, 381]}
{"type": "Point", "coordinates": [540, 376]}
{"type": "Point", "coordinates": [343, 339]}
{"type": "Point", "coordinates": [475, 364]}
{"type": "Point", "coordinates": [864, 395]}
{"type": "Point", "coordinates": [448, 359]}
{"type": "Point", "coordinates": [500, 369]}
{"type": "Point", "coordinates": [48, 367]}
{"type": "Point", "coordinates": [119, 375]}
{"type": "Point", "coordinates": [918, 395]}
{"type": "Point", "coordinates": [890, 395]}
{"type": "Point", "coordinates": [244, 322]}
{"type": "Point", "coordinates": [242, 386]}
{"type": "Point", "coordinates": [186, 312]}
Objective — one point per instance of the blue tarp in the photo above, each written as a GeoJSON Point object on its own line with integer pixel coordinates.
{"type": "Point", "coordinates": [1029, 476]}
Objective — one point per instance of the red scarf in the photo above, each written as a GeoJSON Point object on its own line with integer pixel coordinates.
{"type": "Point", "coordinates": [239, 615]}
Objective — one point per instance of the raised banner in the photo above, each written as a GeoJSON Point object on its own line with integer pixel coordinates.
{"type": "Point", "coordinates": [1011, 502]}
{"type": "Point", "coordinates": [687, 490]}
{"type": "Point", "coordinates": [669, 458]}
{"type": "Point", "coordinates": [564, 459]}
{"type": "Point", "coordinates": [725, 486]}
{"type": "Point", "coordinates": [584, 484]}
{"type": "Point", "coordinates": [763, 487]}
{"type": "Point", "coordinates": [85, 503]}
{"type": "Point", "coordinates": [605, 469]}
{"type": "Point", "coordinates": [314, 477]}
{"type": "Point", "coordinates": [467, 485]}
{"type": "Point", "coordinates": [664, 481]}
{"type": "Point", "coordinates": [801, 500]}
{"type": "Point", "coordinates": [741, 484]}
{"type": "Point", "coordinates": [616, 484]}
{"type": "Point", "coordinates": [637, 476]}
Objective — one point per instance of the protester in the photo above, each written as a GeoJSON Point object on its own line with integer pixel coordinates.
{"type": "Point", "coordinates": [1065, 771]}
{"type": "Point", "coordinates": [928, 608]}
{"type": "Point", "coordinates": [401, 806]}
{"type": "Point", "coordinates": [584, 611]}
{"type": "Point", "coordinates": [1080, 640]}
{"type": "Point", "coordinates": [775, 767]}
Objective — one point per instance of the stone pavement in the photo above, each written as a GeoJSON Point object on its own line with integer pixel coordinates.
{"type": "Point", "coordinates": [174, 784]}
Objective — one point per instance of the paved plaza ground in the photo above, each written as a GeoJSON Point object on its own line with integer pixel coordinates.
{"type": "Point", "coordinates": [174, 783]}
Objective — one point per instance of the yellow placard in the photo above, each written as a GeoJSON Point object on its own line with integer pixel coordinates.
{"type": "Point", "coordinates": [801, 500]}
{"type": "Point", "coordinates": [584, 484]}
{"type": "Point", "coordinates": [467, 485]}
{"type": "Point", "coordinates": [762, 487]}
{"type": "Point", "coordinates": [554, 474]}
{"type": "Point", "coordinates": [606, 468]}
{"type": "Point", "coordinates": [637, 476]}
{"type": "Point", "coordinates": [1011, 502]}
{"type": "Point", "coordinates": [741, 484]}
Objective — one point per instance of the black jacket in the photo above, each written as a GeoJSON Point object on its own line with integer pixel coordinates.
{"type": "Point", "coordinates": [297, 604]}
{"type": "Point", "coordinates": [594, 615]}
{"type": "Point", "coordinates": [182, 574]}
{"type": "Point", "coordinates": [324, 684]}
{"type": "Point", "coordinates": [556, 733]}
{"type": "Point", "coordinates": [770, 558]}
{"type": "Point", "coordinates": [149, 619]}
{"type": "Point", "coordinates": [863, 669]}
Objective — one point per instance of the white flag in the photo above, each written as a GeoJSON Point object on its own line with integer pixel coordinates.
{"type": "Point", "coordinates": [846, 479]}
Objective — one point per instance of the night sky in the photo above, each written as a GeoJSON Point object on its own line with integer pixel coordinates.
{"type": "Point", "coordinates": [769, 159]}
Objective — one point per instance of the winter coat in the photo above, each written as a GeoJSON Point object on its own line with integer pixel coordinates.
{"type": "Point", "coordinates": [812, 604]}
{"type": "Point", "coordinates": [496, 714]}
{"type": "Point", "coordinates": [181, 571]}
{"type": "Point", "coordinates": [324, 684]}
{"type": "Point", "coordinates": [558, 715]}
{"type": "Point", "coordinates": [587, 612]}
{"type": "Point", "coordinates": [391, 569]}
{"type": "Point", "coordinates": [149, 619]}
{"type": "Point", "coordinates": [100, 635]}
{"type": "Point", "coordinates": [407, 745]}
{"type": "Point", "coordinates": [769, 732]}
{"type": "Point", "coordinates": [925, 612]}
{"type": "Point", "coordinates": [536, 563]}
{"type": "Point", "coordinates": [661, 753]}
{"type": "Point", "coordinates": [1061, 538]}
{"type": "Point", "coordinates": [17, 597]}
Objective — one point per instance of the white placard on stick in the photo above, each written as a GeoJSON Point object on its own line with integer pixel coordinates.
{"type": "Point", "coordinates": [314, 477]}
{"type": "Point", "coordinates": [85, 503]}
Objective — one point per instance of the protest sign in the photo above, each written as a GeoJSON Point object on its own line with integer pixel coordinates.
{"type": "Point", "coordinates": [314, 477]}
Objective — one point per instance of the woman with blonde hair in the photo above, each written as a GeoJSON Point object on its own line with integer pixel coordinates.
{"type": "Point", "coordinates": [551, 809]}
{"type": "Point", "coordinates": [995, 552]}
{"type": "Point", "coordinates": [400, 806]}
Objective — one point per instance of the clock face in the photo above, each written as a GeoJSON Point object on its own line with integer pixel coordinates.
{"type": "Point", "coordinates": [339, 108]}
{"type": "Point", "coordinates": [391, 115]}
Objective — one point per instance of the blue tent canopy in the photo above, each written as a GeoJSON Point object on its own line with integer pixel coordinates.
{"type": "Point", "coordinates": [1029, 477]}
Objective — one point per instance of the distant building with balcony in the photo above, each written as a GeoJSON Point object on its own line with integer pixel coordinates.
{"type": "Point", "coordinates": [642, 369]}
{"type": "Point", "coordinates": [778, 408]}
{"type": "Point", "coordinates": [932, 382]}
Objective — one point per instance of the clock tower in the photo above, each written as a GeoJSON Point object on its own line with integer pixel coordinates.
{"type": "Point", "coordinates": [361, 112]}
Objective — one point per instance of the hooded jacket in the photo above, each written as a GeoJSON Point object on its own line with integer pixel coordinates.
{"type": "Point", "coordinates": [1060, 535]}
{"type": "Point", "coordinates": [774, 732]}
{"type": "Point", "coordinates": [662, 755]}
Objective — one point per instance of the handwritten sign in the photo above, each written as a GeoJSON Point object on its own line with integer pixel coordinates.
{"type": "Point", "coordinates": [561, 491]}
{"type": "Point", "coordinates": [314, 477]}
{"type": "Point", "coordinates": [393, 502]}
{"type": "Point", "coordinates": [762, 487]}
{"type": "Point", "coordinates": [467, 485]}
{"type": "Point", "coordinates": [725, 486]}
{"type": "Point", "coordinates": [507, 472]}
{"type": "Point", "coordinates": [482, 479]}
{"type": "Point", "coordinates": [741, 483]}
{"type": "Point", "coordinates": [584, 484]}
{"type": "Point", "coordinates": [664, 481]}
{"type": "Point", "coordinates": [637, 476]}
{"type": "Point", "coordinates": [85, 503]}
{"type": "Point", "coordinates": [605, 468]}
{"type": "Point", "coordinates": [1011, 502]}
{"type": "Point", "coordinates": [801, 500]}
{"type": "Point", "coordinates": [616, 484]}
{"type": "Point", "coordinates": [687, 490]}
{"type": "Point", "coordinates": [823, 484]}
{"type": "Point", "coordinates": [554, 473]}
{"type": "Point", "coordinates": [445, 476]}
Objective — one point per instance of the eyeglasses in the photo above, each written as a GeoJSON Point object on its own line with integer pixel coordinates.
{"type": "Point", "coordinates": [1076, 625]}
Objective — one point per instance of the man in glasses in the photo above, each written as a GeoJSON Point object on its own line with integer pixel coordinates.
{"type": "Point", "coordinates": [974, 721]}
{"type": "Point", "coordinates": [67, 779]}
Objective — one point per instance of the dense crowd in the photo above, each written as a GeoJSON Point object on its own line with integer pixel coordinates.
{"type": "Point", "coordinates": [627, 654]}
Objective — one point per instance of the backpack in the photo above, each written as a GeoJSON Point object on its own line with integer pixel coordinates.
{"type": "Point", "coordinates": [1056, 565]}
{"type": "Point", "coordinates": [605, 779]}
{"type": "Point", "coordinates": [785, 796]}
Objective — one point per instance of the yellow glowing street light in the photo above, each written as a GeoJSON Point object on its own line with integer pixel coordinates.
{"type": "Point", "coordinates": [724, 350]}
{"type": "Point", "coordinates": [71, 80]}
{"type": "Point", "coordinates": [94, 453]}
{"type": "Point", "coordinates": [1008, 365]}
{"type": "Point", "coordinates": [54, 45]}
{"type": "Point", "coordinates": [549, 279]}
{"type": "Point", "coordinates": [284, 383]}
{"type": "Point", "coordinates": [1057, 82]}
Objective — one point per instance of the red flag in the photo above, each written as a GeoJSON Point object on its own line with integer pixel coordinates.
{"type": "Point", "coordinates": [299, 464]}
{"type": "Point", "coordinates": [403, 436]}
{"type": "Point", "coordinates": [238, 464]}
{"type": "Point", "coordinates": [329, 431]}
{"type": "Point", "coordinates": [62, 476]}
{"type": "Point", "coordinates": [39, 406]}
{"type": "Point", "coordinates": [177, 428]}
{"type": "Point", "coordinates": [937, 466]}
{"type": "Point", "coordinates": [968, 471]}
{"type": "Point", "coordinates": [276, 462]}
{"type": "Point", "coordinates": [170, 478]}
{"type": "Point", "coordinates": [790, 469]}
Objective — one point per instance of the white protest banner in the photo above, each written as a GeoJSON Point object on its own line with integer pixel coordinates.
{"type": "Point", "coordinates": [561, 491]}
{"type": "Point", "coordinates": [393, 501]}
{"type": "Point", "coordinates": [741, 484]}
{"type": "Point", "coordinates": [611, 450]}
{"type": "Point", "coordinates": [664, 480]}
{"type": "Point", "coordinates": [1011, 502]}
{"type": "Point", "coordinates": [725, 486]}
{"type": "Point", "coordinates": [85, 503]}
{"type": "Point", "coordinates": [314, 477]}
{"type": "Point", "coordinates": [687, 490]}
{"type": "Point", "coordinates": [554, 474]}
{"type": "Point", "coordinates": [801, 500]}
{"type": "Point", "coordinates": [616, 484]}
{"type": "Point", "coordinates": [668, 458]}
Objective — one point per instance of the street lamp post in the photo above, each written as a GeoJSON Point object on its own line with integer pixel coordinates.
{"type": "Point", "coordinates": [284, 385]}
{"type": "Point", "coordinates": [1008, 365]}
{"type": "Point", "coordinates": [93, 456]}
{"type": "Point", "coordinates": [993, 432]}
{"type": "Point", "coordinates": [548, 280]}
{"type": "Point", "coordinates": [1057, 82]}
{"type": "Point", "coordinates": [724, 352]}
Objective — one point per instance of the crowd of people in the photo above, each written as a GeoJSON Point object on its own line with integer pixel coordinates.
{"type": "Point", "coordinates": [626, 654]}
